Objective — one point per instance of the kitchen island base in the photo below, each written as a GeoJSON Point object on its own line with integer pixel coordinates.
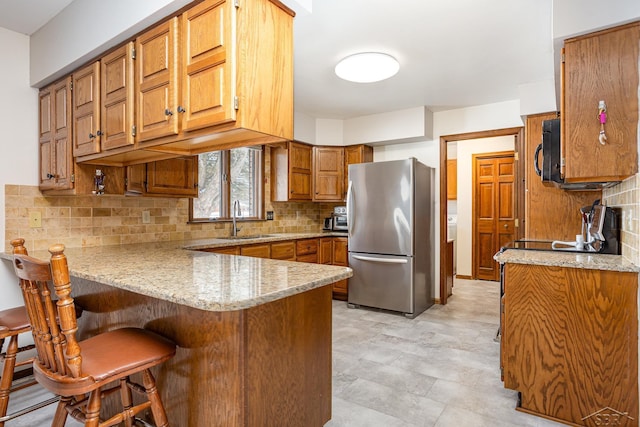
{"type": "Point", "coordinates": [265, 365]}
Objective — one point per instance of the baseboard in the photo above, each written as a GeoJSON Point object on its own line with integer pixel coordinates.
{"type": "Point", "coordinates": [460, 276]}
{"type": "Point", "coordinates": [436, 300]}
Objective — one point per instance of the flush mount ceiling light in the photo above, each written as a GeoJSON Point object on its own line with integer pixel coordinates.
{"type": "Point", "coordinates": [367, 67]}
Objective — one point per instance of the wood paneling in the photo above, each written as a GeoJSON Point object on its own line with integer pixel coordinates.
{"type": "Point", "coordinates": [571, 341]}
{"type": "Point", "coordinates": [234, 368]}
{"type": "Point", "coordinates": [551, 213]}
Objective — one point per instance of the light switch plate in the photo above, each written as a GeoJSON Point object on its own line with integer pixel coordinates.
{"type": "Point", "coordinates": [146, 217]}
{"type": "Point", "coordinates": [35, 219]}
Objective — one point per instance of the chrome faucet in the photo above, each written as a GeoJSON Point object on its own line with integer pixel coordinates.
{"type": "Point", "coordinates": [236, 212]}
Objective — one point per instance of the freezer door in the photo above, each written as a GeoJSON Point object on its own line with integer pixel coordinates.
{"type": "Point", "coordinates": [382, 282]}
{"type": "Point", "coordinates": [380, 207]}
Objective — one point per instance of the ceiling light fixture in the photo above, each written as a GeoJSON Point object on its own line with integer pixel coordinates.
{"type": "Point", "coordinates": [367, 67]}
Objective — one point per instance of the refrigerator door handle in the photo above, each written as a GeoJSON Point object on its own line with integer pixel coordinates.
{"type": "Point", "coordinates": [382, 260]}
{"type": "Point", "coordinates": [350, 201]}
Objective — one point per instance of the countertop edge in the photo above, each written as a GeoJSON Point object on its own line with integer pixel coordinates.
{"type": "Point", "coordinates": [566, 259]}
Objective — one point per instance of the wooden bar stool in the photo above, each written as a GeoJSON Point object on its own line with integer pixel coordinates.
{"type": "Point", "coordinates": [13, 322]}
{"type": "Point", "coordinates": [78, 370]}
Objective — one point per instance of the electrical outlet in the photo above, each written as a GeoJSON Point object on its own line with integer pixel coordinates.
{"type": "Point", "coordinates": [269, 215]}
{"type": "Point", "coordinates": [146, 217]}
{"type": "Point", "coordinates": [35, 219]}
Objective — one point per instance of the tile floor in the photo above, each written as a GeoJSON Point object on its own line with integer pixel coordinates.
{"type": "Point", "coordinates": [439, 369]}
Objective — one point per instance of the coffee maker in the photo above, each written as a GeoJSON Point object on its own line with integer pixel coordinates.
{"type": "Point", "coordinates": [600, 228]}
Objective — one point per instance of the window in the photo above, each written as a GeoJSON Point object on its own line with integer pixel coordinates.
{"type": "Point", "coordinates": [227, 176]}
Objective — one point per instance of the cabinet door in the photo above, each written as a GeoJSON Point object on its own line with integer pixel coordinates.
{"type": "Point", "coordinates": [117, 98]}
{"type": "Point", "coordinates": [175, 177]}
{"type": "Point", "coordinates": [452, 179]}
{"type": "Point", "coordinates": [136, 176]}
{"type": "Point", "coordinates": [156, 81]}
{"type": "Point", "coordinates": [283, 250]}
{"type": "Point", "coordinates": [86, 110]}
{"type": "Point", "coordinates": [328, 170]}
{"type": "Point", "coordinates": [207, 85]}
{"type": "Point", "coordinates": [601, 67]}
{"type": "Point", "coordinates": [325, 253]}
{"type": "Point", "coordinates": [299, 171]}
{"type": "Point", "coordinates": [355, 154]}
{"type": "Point", "coordinates": [340, 254]}
{"type": "Point", "coordinates": [55, 157]}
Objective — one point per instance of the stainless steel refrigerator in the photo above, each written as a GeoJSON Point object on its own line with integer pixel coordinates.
{"type": "Point", "coordinates": [389, 218]}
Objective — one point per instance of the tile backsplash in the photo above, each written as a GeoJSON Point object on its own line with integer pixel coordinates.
{"type": "Point", "coordinates": [82, 221]}
{"type": "Point", "coordinates": [626, 197]}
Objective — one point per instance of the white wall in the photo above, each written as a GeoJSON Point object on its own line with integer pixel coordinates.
{"type": "Point", "coordinates": [452, 122]}
{"type": "Point", "coordinates": [86, 29]}
{"type": "Point", "coordinates": [19, 141]}
{"type": "Point", "coordinates": [466, 149]}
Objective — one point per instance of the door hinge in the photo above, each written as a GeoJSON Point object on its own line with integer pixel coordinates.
{"type": "Point", "coordinates": [126, 183]}
{"type": "Point", "coordinates": [562, 58]}
{"type": "Point", "coordinates": [133, 53]}
{"type": "Point", "coordinates": [71, 85]}
{"type": "Point", "coordinates": [236, 3]}
{"type": "Point", "coordinates": [516, 223]}
{"type": "Point", "coordinates": [133, 130]}
{"type": "Point", "coordinates": [235, 102]}
{"type": "Point", "coordinates": [73, 177]}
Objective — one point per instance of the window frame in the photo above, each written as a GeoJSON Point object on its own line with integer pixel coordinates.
{"type": "Point", "coordinates": [225, 190]}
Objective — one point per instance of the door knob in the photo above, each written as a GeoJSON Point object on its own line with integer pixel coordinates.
{"type": "Point", "coordinates": [506, 226]}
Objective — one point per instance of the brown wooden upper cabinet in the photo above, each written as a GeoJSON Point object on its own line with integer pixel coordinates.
{"type": "Point", "coordinates": [291, 172]}
{"type": "Point", "coordinates": [86, 110]}
{"type": "Point", "coordinates": [328, 173]}
{"type": "Point", "coordinates": [601, 66]}
{"type": "Point", "coordinates": [172, 177]}
{"type": "Point", "coordinates": [56, 160]}
{"type": "Point", "coordinates": [215, 76]}
{"type": "Point", "coordinates": [117, 92]}
{"type": "Point", "coordinates": [355, 154]}
{"type": "Point", "coordinates": [452, 179]}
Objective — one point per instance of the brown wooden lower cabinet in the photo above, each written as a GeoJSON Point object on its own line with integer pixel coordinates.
{"type": "Point", "coordinates": [340, 257]}
{"type": "Point", "coordinates": [570, 343]}
{"type": "Point", "coordinates": [325, 250]}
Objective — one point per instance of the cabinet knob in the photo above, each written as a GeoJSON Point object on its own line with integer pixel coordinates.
{"type": "Point", "coordinates": [168, 112]}
{"type": "Point", "coordinates": [91, 136]}
{"type": "Point", "coordinates": [181, 110]}
{"type": "Point", "coordinates": [49, 176]}
{"type": "Point", "coordinates": [99, 133]}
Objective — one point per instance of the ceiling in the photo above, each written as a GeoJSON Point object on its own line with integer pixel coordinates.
{"type": "Point", "coordinates": [452, 54]}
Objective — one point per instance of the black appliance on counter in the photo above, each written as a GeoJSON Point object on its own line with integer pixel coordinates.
{"type": "Point", "coordinates": [552, 160]}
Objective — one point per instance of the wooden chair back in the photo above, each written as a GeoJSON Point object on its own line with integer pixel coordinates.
{"type": "Point", "coordinates": [53, 324]}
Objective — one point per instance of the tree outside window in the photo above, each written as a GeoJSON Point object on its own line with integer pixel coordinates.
{"type": "Point", "coordinates": [226, 176]}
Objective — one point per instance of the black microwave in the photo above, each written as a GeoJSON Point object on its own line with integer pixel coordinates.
{"type": "Point", "coordinates": [550, 171]}
{"type": "Point", "coordinates": [551, 156]}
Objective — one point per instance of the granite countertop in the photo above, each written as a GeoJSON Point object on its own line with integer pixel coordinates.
{"type": "Point", "coordinates": [203, 280]}
{"type": "Point", "coordinates": [252, 239]}
{"type": "Point", "coordinates": [591, 261]}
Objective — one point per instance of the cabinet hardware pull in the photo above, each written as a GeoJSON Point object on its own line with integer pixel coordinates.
{"type": "Point", "coordinates": [99, 133]}
{"type": "Point", "coordinates": [91, 136]}
{"type": "Point", "coordinates": [168, 112]}
{"type": "Point", "coordinates": [181, 110]}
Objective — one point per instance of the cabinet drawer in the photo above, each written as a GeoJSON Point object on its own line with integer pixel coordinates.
{"type": "Point", "coordinates": [307, 246]}
{"type": "Point", "coordinates": [283, 250]}
{"type": "Point", "coordinates": [259, 251]}
{"type": "Point", "coordinates": [307, 258]}
{"type": "Point", "coordinates": [232, 250]}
